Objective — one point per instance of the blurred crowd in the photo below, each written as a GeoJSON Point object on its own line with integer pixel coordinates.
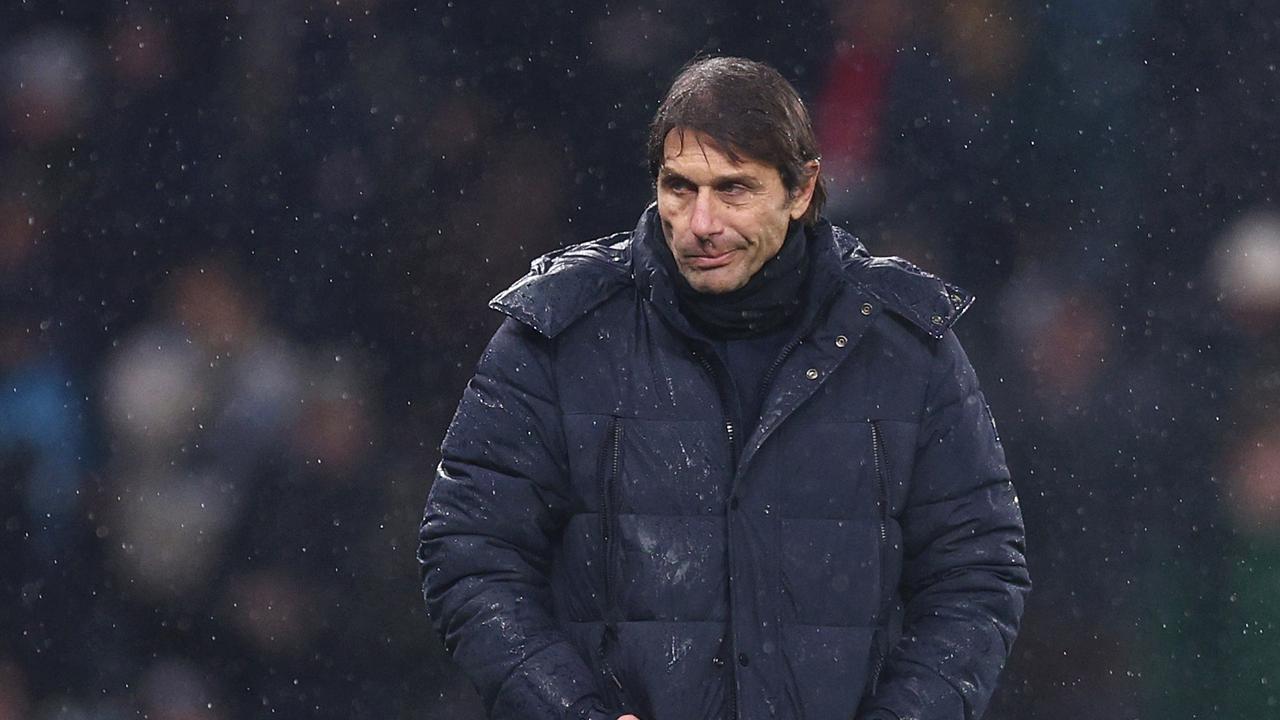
{"type": "Point", "coordinates": [246, 247]}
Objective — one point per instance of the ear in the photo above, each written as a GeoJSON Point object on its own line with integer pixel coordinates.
{"type": "Point", "coordinates": [804, 194]}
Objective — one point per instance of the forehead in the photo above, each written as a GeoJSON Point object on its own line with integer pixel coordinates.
{"type": "Point", "coordinates": [687, 151]}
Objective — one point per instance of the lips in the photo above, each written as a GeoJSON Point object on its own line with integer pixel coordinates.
{"type": "Point", "coordinates": [709, 262]}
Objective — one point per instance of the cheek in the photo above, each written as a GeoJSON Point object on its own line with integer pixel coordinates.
{"type": "Point", "coordinates": [668, 229]}
{"type": "Point", "coordinates": [673, 222]}
{"type": "Point", "coordinates": [668, 209]}
{"type": "Point", "coordinates": [757, 228]}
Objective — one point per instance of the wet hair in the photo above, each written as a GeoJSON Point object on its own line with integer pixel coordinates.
{"type": "Point", "coordinates": [748, 109]}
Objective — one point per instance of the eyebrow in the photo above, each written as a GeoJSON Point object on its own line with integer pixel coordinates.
{"type": "Point", "coordinates": [666, 174]}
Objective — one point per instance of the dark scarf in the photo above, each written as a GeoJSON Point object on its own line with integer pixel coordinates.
{"type": "Point", "coordinates": [769, 299]}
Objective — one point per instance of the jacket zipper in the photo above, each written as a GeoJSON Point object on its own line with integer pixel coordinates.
{"type": "Point", "coordinates": [610, 462]}
{"type": "Point", "coordinates": [608, 479]}
{"type": "Point", "coordinates": [882, 497]}
{"type": "Point", "coordinates": [724, 414]}
{"type": "Point", "coordinates": [733, 466]}
{"type": "Point", "coordinates": [882, 501]}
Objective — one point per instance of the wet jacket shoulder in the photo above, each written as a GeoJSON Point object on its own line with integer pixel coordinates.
{"type": "Point", "coordinates": [565, 284]}
{"type": "Point", "coordinates": [599, 538]}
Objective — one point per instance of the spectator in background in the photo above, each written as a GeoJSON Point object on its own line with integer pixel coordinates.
{"type": "Point", "coordinates": [48, 557]}
{"type": "Point", "coordinates": [237, 508]}
{"type": "Point", "coordinates": [48, 562]}
{"type": "Point", "coordinates": [850, 109]}
{"type": "Point", "coordinates": [42, 428]}
{"type": "Point", "coordinates": [1246, 273]}
{"type": "Point", "coordinates": [196, 402]}
{"type": "Point", "coordinates": [199, 404]}
{"type": "Point", "coordinates": [47, 78]}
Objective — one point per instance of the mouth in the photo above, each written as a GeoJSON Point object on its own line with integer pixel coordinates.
{"type": "Point", "coordinates": [709, 262]}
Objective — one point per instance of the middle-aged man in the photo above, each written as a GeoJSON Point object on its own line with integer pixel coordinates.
{"type": "Point", "coordinates": [727, 465]}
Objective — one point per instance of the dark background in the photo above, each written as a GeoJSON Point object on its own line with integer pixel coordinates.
{"type": "Point", "coordinates": [245, 251]}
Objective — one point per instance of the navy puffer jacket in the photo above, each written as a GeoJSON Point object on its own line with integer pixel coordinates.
{"type": "Point", "coordinates": [601, 536]}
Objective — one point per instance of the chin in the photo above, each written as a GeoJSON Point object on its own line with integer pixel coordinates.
{"type": "Point", "coordinates": [712, 285]}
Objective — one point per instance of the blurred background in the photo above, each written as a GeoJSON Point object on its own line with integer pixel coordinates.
{"type": "Point", "coordinates": [246, 246]}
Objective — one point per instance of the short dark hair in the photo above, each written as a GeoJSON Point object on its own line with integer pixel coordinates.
{"type": "Point", "coordinates": [749, 109]}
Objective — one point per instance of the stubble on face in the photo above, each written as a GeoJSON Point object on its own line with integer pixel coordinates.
{"type": "Point", "coordinates": [722, 217]}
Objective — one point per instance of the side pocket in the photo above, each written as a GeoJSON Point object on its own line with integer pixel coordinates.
{"type": "Point", "coordinates": [879, 641]}
{"type": "Point", "coordinates": [614, 690]}
{"type": "Point", "coordinates": [608, 468]}
{"type": "Point", "coordinates": [878, 653]}
{"type": "Point", "coordinates": [880, 458]}
{"type": "Point", "coordinates": [608, 471]}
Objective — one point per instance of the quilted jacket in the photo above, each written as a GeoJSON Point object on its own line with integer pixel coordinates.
{"type": "Point", "coordinates": [602, 535]}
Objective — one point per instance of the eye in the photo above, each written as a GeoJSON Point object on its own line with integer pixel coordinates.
{"type": "Point", "coordinates": [734, 192]}
{"type": "Point", "coordinates": [677, 184]}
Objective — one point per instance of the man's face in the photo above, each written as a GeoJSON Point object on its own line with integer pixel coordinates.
{"type": "Point", "coordinates": [722, 219]}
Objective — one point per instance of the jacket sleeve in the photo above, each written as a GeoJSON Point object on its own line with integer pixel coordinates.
{"type": "Point", "coordinates": [964, 576]}
{"type": "Point", "coordinates": [492, 516]}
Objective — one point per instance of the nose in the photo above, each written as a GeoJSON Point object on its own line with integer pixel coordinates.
{"type": "Point", "coordinates": [705, 221]}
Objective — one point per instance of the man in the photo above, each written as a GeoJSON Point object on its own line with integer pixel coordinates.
{"type": "Point", "coordinates": [727, 465]}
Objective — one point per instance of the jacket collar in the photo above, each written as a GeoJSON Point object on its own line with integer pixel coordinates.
{"type": "Point", "coordinates": [656, 285]}
{"type": "Point", "coordinates": [917, 296]}
{"type": "Point", "coordinates": [564, 285]}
